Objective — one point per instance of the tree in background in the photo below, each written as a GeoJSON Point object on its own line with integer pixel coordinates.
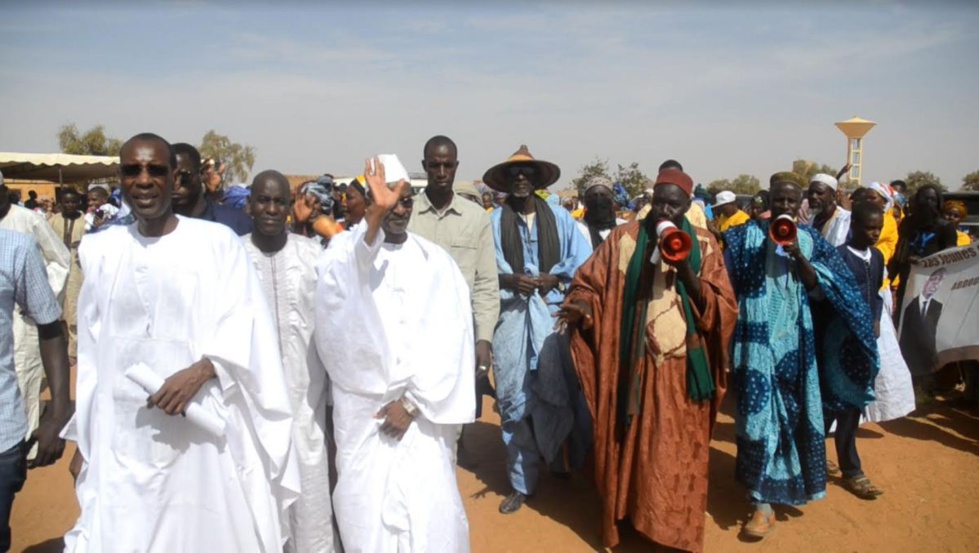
{"type": "Point", "coordinates": [92, 142]}
{"type": "Point", "coordinates": [808, 168]}
{"type": "Point", "coordinates": [970, 182]}
{"type": "Point", "coordinates": [597, 168]}
{"type": "Point", "coordinates": [632, 179]}
{"type": "Point", "coordinates": [916, 179]}
{"type": "Point", "coordinates": [742, 184]}
{"type": "Point", "coordinates": [238, 159]}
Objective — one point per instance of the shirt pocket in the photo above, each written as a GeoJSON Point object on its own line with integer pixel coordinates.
{"type": "Point", "coordinates": [464, 253]}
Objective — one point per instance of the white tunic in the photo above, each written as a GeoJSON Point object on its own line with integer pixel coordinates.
{"type": "Point", "coordinates": [837, 228]}
{"type": "Point", "coordinates": [892, 387]}
{"type": "Point", "coordinates": [393, 321]}
{"type": "Point", "coordinates": [57, 258]}
{"type": "Point", "coordinates": [586, 232]}
{"type": "Point", "coordinates": [156, 483]}
{"type": "Point", "coordinates": [289, 280]}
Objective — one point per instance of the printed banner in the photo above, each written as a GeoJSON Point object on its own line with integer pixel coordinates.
{"type": "Point", "coordinates": [940, 315]}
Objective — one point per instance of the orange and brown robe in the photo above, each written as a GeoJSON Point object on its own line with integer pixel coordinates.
{"type": "Point", "coordinates": [655, 472]}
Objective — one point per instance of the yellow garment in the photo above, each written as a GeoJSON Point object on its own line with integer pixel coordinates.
{"type": "Point", "coordinates": [326, 227]}
{"type": "Point", "coordinates": [578, 213]}
{"type": "Point", "coordinates": [739, 218]}
{"type": "Point", "coordinates": [645, 211]}
{"type": "Point", "coordinates": [887, 242]}
{"type": "Point", "coordinates": [696, 215]}
{"type": "Point", "coordinates": [962, 239]}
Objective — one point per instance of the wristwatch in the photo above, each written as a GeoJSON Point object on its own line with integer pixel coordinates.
{"type": "Point", "coordinates": [409, 407]}
{"type": "Point", "coordinates": [561, 287]}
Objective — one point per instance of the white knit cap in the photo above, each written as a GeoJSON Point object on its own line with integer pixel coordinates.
{"type": "Point", "coordinates": [394, 170]}
{"type": "Point", "coordinates": [823, 178]}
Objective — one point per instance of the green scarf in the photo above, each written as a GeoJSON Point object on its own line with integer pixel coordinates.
{"type": "Point", "coordinates": [700, 383]}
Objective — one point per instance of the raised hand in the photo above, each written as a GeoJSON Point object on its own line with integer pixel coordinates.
{"type": "Point", "coordinates": [382, 197]}
{"type": "Point", "coordinates": [304, 207]}
{"type": "Point", "coordinates": [214, 175]}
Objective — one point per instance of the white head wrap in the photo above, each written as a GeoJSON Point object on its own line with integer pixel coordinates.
{"type": "Point", "coordinates": [884, 191]}
{"type": "Point", "coordinates": [823, 178]}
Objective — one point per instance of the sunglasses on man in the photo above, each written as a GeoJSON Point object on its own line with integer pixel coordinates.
{"type": "Point", "coordinates": [525, 170]}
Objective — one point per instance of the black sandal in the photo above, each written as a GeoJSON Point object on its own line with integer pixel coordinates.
{"type": "Point", "coordinates": [861, 487]}
{"type": "Point", "coordinates": [512, 503]}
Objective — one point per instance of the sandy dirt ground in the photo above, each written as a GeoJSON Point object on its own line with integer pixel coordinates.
{"type": "Point", "coordinates": [928, 466]}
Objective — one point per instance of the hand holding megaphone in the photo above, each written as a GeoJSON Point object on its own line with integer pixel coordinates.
{"type": "Point", "coordinates": [783, 230]}
{"type": "Point", "coordinates": [674, 245]}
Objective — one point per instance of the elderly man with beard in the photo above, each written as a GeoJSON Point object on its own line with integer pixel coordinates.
{"type": "Point", "coordinates": [286, 265]}
{"type": "Point", "coordinates": [650, 342]}
{"type": "Point", "coordinates": [599, 219]}
{"type": "Point", "coordinates": [829, 219]}
{"type": "Point", "coordinates": [394, 327]}
{"type": "Point", "coordinates": [780, 435]}
{"type": "Point", "coordinates": [190, 199]}
{"type": "Point", "coordinates": [538, 250]}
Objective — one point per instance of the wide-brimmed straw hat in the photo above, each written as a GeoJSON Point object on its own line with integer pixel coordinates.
{"type": "Point", "coordinates": [548, 173]}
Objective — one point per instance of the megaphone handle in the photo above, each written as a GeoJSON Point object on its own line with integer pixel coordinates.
{"type": "Point", "coordinates": [804, 269]}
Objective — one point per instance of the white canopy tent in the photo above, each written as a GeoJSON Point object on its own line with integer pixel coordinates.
{"type": "Point", "coordinates": [57, 168]}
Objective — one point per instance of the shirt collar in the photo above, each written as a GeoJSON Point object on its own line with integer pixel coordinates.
{"type": "Point", "coordinates": [426, 205]}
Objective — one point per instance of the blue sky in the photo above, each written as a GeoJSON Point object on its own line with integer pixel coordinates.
{"type": "Point", "coordinates": [725, 90]}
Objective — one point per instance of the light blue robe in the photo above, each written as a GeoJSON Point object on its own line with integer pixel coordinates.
{"type": "Point", "coordinates": [532, 363]}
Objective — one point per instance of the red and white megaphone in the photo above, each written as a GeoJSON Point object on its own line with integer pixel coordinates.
{"type": "Point", "coordinates": [782, 230]}
{"type": "Point", "coordinates": [674, 244]}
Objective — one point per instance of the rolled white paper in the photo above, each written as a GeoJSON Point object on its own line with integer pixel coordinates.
{"type": "Point", "coordinates": [152, 382]}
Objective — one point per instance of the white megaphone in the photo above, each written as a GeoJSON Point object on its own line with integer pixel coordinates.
{"type": "Point", "coordinates": [674, 244]}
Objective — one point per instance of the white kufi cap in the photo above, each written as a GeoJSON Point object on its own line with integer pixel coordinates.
{"type": "Point", "coordinates": [823, 178]}
{"type": "Point", "coordinates": [394, 170]}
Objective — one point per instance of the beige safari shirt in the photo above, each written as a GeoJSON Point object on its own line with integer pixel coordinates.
{"type": "Point", "coordinates": [463, 230]}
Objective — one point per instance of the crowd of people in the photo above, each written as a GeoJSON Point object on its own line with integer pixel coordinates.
{"type": "Point", "coordinates": [316, 354]}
